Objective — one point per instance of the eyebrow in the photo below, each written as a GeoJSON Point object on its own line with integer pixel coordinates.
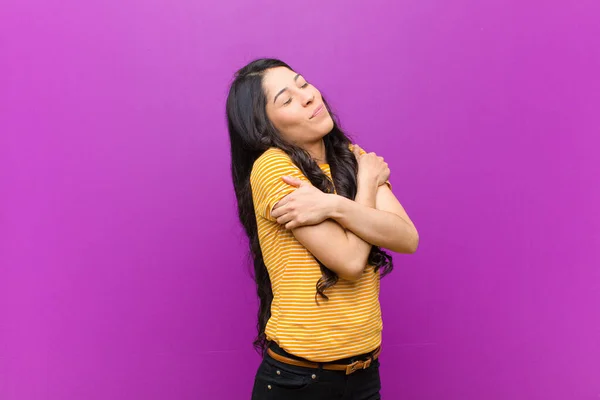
{"type": "Point", "coordinates": [284, 89]}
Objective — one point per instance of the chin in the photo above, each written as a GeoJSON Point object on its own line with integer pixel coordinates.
{"type": "Point", "coordinates": [327, 125]}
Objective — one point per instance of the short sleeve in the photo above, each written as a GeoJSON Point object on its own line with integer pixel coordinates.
{"type": "Point", "coordinates": [265, 180]}
{"type": "Point", "coordinates": [362, 152]}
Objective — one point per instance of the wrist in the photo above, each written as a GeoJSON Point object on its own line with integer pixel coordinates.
{"type": "Point", "coordinates": [335, 206]}
{"type": "Point", "coordinates": [366, 187]}
{"type": "Point", "coordinates": [366, 181]}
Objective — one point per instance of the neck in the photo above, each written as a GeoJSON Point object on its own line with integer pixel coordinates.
{"type": "Point", "coordinates": [317, 151]}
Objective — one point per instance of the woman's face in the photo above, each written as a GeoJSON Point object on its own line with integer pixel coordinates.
{"type": "Point", "coordinates": [295, 107]}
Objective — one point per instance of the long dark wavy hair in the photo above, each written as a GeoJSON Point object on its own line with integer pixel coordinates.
{"type": "Point", "coordinates": [251, 133]}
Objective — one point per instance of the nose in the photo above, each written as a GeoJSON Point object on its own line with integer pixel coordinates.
{"type": "Point", "coordinates": [308, 98]}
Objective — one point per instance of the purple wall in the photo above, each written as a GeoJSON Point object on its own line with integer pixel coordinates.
{"type": "Point", "coordinates": [122, 270]}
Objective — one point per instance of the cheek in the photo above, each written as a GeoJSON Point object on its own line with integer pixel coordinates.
{"type": "Point", "coordinates": [287, 118]}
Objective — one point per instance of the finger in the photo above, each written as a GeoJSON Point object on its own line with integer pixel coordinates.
{"type": "Point", "coordinates": [293, 181]}
{"type": "Point", "coordinates": [276, 206]}
{"type": "Point", "coordinates": [290, 225]}
{"type": "Point", "coordinates": [276, 213]}
{"type": "Point", "coordinates": [282, 202]}
{"type": "Point", "coordinates": [284, 219]}
{"type": "Point", "coordinates": [387, 174]}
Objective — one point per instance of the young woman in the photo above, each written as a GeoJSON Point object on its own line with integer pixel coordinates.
{"type": "Point", "coordinates": [317, 211]}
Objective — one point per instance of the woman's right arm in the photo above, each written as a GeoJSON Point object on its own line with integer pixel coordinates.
{"type": "Point", "coordinates": [339, 249]}
{"type": "Point", "coordinates": [384, 224]}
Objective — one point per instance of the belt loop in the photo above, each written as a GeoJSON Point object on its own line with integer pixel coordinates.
{"type": "Point", "coordinates": [319, 372]}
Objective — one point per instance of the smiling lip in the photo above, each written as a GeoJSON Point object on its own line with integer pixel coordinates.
{"type": "Point", "coordinates": [317, 111]}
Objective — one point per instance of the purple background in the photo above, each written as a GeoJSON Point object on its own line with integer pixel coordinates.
{"type": "Point", "coordinates": [122, 265]}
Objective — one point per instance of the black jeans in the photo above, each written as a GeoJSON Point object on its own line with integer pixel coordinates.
{"type": "Point", "coordinates": [276, 380]}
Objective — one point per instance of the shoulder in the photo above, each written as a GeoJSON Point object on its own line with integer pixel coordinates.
{"type": "Point", "coordinates": [351, 147]}
{"type": "Point", "coordinates": [270, 161]}
{"type": "Point", "coordinates": [272, 155]}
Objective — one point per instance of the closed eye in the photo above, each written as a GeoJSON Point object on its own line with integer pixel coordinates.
{"type": "Point", "coordinates": [304, 86]}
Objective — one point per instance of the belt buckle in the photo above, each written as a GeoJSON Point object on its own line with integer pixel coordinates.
{"type": "Point", "coordinates": [356, 365]}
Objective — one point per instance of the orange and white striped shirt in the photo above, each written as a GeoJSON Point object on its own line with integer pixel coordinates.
{"type": "Point", "coordinates": [347, 324]}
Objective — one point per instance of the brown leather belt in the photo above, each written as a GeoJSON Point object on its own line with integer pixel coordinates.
{"type": "Point", "coordinates": [349, 368]}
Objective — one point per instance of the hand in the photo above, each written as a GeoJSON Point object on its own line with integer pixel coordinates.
{"type": "Point", "coordinates": [307, 205]}
{"type": "Point", "coordinates": [371, 167]}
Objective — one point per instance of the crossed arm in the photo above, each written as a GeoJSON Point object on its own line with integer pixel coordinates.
{"type": "Point", "coordinates": [340, 232]}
